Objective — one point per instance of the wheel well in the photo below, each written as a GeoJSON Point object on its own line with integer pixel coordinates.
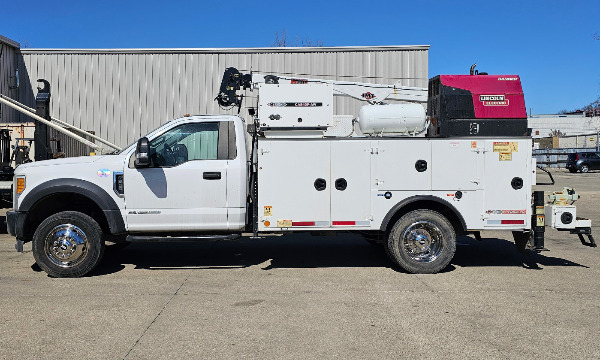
{"type": "Point", "coordinates": [446, 211]}
{"type": "Point", "coordinates": [59, 202]}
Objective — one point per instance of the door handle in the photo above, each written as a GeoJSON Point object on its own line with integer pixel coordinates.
{"type": "Point", "coordinates": [216, 175]}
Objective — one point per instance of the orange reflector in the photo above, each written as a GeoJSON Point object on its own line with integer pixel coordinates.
{"type": "Point", "coordinates": [20, 184]}
{"type": "Point", "coordinates": [267, 223]}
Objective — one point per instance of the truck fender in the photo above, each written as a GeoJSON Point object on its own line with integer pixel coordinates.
{"type": "Point", "coordinates": [421, 198]}
{"type": "Point", "coordinates": [85, 188]}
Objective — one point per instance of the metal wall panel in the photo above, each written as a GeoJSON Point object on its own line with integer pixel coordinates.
{"type": "Point", "coordinates": [8, 81]}
{"type": "Point", "coordinates": [121, 95]}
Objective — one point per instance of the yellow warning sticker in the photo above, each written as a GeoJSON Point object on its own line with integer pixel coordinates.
{"type": "Point", "coordinates": [506, 147]}
{"type": "Point", "coordinates": [284, 223]}
{"type": "Point", "coordinates": [539, 210]}
{"type": "Point", "coordinates": [268, 211]}
{"type": "Point", "coordinates": [505, 156]}
{"type": "Point", "coordinates": [541, 220]}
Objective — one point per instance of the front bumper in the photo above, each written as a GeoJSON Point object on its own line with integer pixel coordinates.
{"type": "Point", "coordinates": [15, 223]}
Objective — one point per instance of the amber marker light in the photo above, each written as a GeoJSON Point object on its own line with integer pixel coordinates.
{"type": "Point", "coordinates": [267, 223]}
{"type": "Point", "coordinates": [20, 185]}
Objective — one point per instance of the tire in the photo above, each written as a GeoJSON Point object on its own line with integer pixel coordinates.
{"type": "Point", "coordinates": [422, 242]}
{"type": "Point", "coordinates": [68, 244]}
{"type": "Point", "coordinates": [584, 168]}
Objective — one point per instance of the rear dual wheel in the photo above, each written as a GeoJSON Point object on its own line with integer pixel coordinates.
{"type": "Point", "coordinates": [68, 244]}
{"type": "Point", "coordinates": [422, 242]}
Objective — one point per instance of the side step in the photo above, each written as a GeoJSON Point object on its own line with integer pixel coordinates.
{"type": "Point", "coordinates": [193, 238]}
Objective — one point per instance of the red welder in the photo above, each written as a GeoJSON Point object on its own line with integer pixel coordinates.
{"type": "Point", "coordinates": [476, 105]}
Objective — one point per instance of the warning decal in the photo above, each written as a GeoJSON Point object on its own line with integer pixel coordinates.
{"type": "Point", "coordinates": [506, 147]}
{"type": "Point", "coordinates": [541, 220]}
{"type": "Point", "coordinates": [268, 211]}
{"type": "Point", "coordinates": [284, 223]}
{"type": "Point", "coordinates": [505, 156]}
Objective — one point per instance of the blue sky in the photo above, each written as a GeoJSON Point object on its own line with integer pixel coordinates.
{"type": "Point", "coordinates": [550, 44]}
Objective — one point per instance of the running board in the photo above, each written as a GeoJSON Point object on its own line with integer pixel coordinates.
{"type": "Point", "coordinates": [193, 238]}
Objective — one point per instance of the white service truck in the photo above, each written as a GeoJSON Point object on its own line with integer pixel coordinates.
{"type": "Point", "coordinates": [296, 167]}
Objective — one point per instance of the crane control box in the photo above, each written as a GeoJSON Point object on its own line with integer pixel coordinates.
{"type": "Point", "coordinates": [302, 106]}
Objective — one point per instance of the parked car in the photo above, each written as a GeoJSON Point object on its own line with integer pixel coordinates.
{"type": "Point", "coordinates": [583, 161]}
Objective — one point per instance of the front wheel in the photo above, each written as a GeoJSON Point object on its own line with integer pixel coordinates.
{"type": "Point", "coordinates": [584, 168]}
{"type": "Point", "coordinates": [68, 244]}
{"type": "Point", "coordinates": [422, 242]}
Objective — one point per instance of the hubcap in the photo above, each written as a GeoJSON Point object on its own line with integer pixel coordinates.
{"type": "Point", "coordinates": [422, 241]}
{"type": "Point", "coordinates": [66, 245]}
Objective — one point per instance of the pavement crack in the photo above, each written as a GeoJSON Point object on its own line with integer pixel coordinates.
{"type": "Point", "coordinates": [157, 315]}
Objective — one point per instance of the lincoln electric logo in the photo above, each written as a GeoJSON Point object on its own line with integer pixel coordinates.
{"type": "Point", "coordinates": [493, 100]}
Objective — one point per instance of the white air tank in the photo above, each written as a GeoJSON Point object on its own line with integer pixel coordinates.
{"type": "Point", "coordinates": [395, 119]}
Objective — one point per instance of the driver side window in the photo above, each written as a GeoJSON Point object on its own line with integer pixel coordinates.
{"type": "Point", "coordinates": [187, 142]}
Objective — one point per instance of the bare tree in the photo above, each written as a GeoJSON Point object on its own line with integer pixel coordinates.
{"type": "Point", "coordinates": [556, 132]}
{"type": "Point", "coordinates": [281, 40]}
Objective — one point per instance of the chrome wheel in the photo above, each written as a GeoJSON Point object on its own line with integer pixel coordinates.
{"type": "Point", "coordinates": [66, 245]}
{"type": "Point", "coordinates": [584, 168]}
{"type": "Point", "coordinates": [422, 241]}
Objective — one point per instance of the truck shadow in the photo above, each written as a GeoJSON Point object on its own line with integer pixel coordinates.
{"type": "Point", "coordinates": [305, 251]}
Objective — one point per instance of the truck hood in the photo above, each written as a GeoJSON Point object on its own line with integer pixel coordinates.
{"type": "Point", "coordinates": [82, 160]}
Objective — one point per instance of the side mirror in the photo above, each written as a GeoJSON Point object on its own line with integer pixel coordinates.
{"type": "Point", "coordinates": [142, 153]}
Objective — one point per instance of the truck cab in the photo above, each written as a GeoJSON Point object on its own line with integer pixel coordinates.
{"type": "Point", "coordinates": [195, 181]}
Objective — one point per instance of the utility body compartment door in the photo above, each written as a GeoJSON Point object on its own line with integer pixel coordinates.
{"type": "Point", "coordinates": [457, 164]}
{"type": "Point", "coordinates": [351, 183]}
{"type": "Point", "coordinates": [402, 164]}
{"type": "Point", "coordinates": [507, 177]}
{"type": "Point", "coordinates": [294, 184]}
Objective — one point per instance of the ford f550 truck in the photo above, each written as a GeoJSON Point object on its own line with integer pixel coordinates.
{"type": "Point", "coordinates": [297, 167]}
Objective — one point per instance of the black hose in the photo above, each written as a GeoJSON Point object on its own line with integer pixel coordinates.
{"type": "Point", "coordinates": [549, 174]}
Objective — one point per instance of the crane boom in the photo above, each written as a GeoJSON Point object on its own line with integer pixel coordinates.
{"type": "Point", "coordinates": [233, 80]}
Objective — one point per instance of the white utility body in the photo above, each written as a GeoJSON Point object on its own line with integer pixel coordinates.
{"type": "Point", "coordinates": [380, 173]}
{"type": "Point", "coordinates": [218, 177]}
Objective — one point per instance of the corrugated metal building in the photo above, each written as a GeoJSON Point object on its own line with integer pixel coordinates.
{"type": "Point", "coordinates": [9, 54]}
{"type": "Point", "coordinates": [123, 94]}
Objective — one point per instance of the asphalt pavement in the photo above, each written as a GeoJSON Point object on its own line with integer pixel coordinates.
{"type": "Point", "coordinates": [305, 297]}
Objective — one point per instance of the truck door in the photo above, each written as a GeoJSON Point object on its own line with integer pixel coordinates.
{"type": "Point", "coordinates": [184, 188]}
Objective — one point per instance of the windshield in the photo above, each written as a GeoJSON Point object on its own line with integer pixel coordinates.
{"type": "Point", "coordinates": [118, 152]}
